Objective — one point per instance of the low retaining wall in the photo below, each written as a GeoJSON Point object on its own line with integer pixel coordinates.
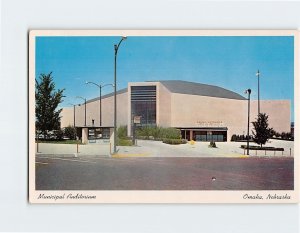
{"type": "Point", "coordinates": [74, 149]}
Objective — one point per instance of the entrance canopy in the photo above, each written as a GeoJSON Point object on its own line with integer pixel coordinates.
{"type": "Point", "coordinates": [204, 128]}
{"type": "Point", "coordinates": [216, 134]}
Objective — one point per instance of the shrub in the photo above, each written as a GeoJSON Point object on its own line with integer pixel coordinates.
{"type": "Point", "coordinates": [143, 132]}
{"type": "Point", "coordinates": [286, 135]}
{"type": "Point", "coordinates": [158, 133]}
{"type": "Point", "coordinates": [122, 131]}
{"type": "Point", "coordinates": [124, 142]}
{"type": "Point", "coordinates": [272, 132]}
{"type": "Point", "coordinates": [59, 134]}
{"type": "Point", "coordinates": [283, 135]}
{"type": "Point", "coordinates": [238, 137]}
{"type": "Point", "coordinates": [171, 133]}
{"type": "Point", "coordinates": [70, 132]}
{"type": "Point", "coordinates": [212, 144]}
{"type": "Point", "coordinates": [262, 148]}
{"type": "Point", "coordinates": [174, 141]}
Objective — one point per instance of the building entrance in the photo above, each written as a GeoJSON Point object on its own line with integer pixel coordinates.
{"type": "Point", "coordinates": [205, 134]}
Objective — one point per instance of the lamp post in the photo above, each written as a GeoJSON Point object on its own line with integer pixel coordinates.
{"type": "Point", "coordinates": [101, 86]}
{"type": "Point", "coordinates": [248, 91]}
{"type": "Point", "coordinates": [100, 98]}
{"type": "Point", "coordinates": [258, 102]}
{"type": "Point", "coordinates": [116, 46]}
{"type": "Point", "coordinates": [84, 108]}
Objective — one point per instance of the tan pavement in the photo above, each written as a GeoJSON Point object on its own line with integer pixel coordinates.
{"type": "Point", "coordinates": [147, 148]}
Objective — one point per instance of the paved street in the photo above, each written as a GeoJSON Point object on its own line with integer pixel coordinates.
{"type": "Point", "coordinates": [164, 173]}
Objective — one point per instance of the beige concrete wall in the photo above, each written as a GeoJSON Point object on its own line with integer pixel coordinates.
{"type": "Point", "coordinates": [202, 111]}
{"type": "Point", "coordinates": [67, 117]}
{"type": "Point", "coordinates": [92, 112]}
{"type": "Point", "coordinates": [194, 111]}
{"type": "Point", "coordinates": [279, 112]}
{"type": "Point", "coordinates": [163, 102]}
{"type": "Point", "coordinates": [108, 110]}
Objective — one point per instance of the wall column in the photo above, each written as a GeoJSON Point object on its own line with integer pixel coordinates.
{"type": "Point", "coordinates": [112, 139]}
{"type": "Point", "coordinates": [85, 133]}
{"type": "Point", "coordinates": [191, 135]}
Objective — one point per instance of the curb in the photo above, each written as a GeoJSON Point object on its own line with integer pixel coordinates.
{"type": "Point", "coordinates": [74, 155]}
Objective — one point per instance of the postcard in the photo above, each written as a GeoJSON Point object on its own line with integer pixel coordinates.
{"type": "Point", "coordinates": [163, 116]}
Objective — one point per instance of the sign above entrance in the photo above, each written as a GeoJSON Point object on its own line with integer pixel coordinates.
{"type": "Point", "coordinates": [210, 123]}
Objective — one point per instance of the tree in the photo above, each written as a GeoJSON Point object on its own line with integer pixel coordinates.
{"type": "Point", "coordinates": [59, 134]}
{"type": "Point", "coordinates": [47, 99]}
{"type": "Point", "coordinates": [261, 132]}
{"type": "Point", "coordinates": [70, 132]}
{"type": "Point", "coordinates": [273, 133]}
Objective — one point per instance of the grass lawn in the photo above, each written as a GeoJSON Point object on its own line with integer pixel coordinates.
{"type": "Point", "coordinates": [124, 142]}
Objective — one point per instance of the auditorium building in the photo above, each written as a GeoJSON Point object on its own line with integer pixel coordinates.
{"type": "Point", "coordinates": [201, 112]}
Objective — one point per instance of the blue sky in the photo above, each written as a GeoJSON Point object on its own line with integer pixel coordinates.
{"type": "Point", "coordinates": [229, 62]}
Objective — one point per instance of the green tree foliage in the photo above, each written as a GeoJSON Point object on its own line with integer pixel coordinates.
{"type": "Point", "coordinates": [261, 132]}
{"type": "Point", "coordinates": [47, 100]}
{"type": "Point", "coordinates": [122, 132]}
{"type": "Point", "coordinates": [158, 133]}
{"type": "Point", "coordinates": [70, 132]}
{"type": "Point", "coordinates": [122, 139]}
{"type": "Point", "coordinates": [171, 133]}
{"type": "Point", "coordinates": [59, 134]}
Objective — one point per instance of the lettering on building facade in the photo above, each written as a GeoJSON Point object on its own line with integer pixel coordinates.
{"type": "Point", "coordinates": [210, 123]}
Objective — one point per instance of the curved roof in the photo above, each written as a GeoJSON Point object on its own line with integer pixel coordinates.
{"type": "Point", "coordinates": [192, 88]}
{"type": "Point", "coordinates": [107, 95]}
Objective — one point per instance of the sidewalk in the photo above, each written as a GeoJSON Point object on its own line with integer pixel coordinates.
{"type": "Point", "coordinates": [148, 148]}
{"type": "Point", "coordinates": [73, 150]}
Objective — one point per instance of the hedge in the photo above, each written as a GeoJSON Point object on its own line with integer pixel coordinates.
{"type": "Point", "coordinates": [174, 141]}
{"type": "Point", "coordinates": [158, 133]}
{"type": "Point", "coordinates": [262, 148]}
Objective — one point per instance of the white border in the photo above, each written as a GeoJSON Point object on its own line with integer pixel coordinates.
{"type": "Point", "coordinates": [17, 17]}
{"type": "Point", "coordinates": [159, 196]}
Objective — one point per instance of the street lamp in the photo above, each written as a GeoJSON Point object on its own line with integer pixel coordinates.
{"type": "Point", "coordinates": [248, 91]}
{"type": "Point", "coordinates": [100, 98]}
{"type": "Point", "coordinates": [84, 108]}
{"type": "Point", "coordinates": [115, 93]}
{"type": "Point", "coordinates": [258, 102]}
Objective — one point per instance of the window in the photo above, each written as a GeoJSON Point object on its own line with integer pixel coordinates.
{"type": "Point", "coordinates": [143, 103]}
{"type": "Point", "coordinates": [106, 133]}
